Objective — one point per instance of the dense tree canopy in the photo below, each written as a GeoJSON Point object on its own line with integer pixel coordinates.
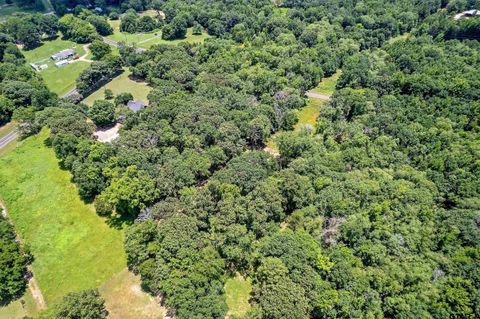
{"type": "Point", "coordinates": [373, 213]}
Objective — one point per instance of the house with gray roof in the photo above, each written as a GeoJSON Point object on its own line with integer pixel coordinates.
{"type": "Point", "coordinates": [135, 106]}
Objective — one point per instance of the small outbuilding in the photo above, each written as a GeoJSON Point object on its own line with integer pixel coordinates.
{"type": "Point", "coordinates": [135, 106]}
{"type": "Point", "coordinates": [60, 64]}
{"type": "Point", "coordinates": [63, 55]}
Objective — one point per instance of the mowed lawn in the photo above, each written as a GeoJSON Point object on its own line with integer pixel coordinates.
{"type": "Point", "coordinates": [59, 80]}
{"type": "Point", "coordinates": [121, 83]}
{"type": "Point", "coordinates": [237, 293]}
{"type": "Point", "coordinates": [74, 248]}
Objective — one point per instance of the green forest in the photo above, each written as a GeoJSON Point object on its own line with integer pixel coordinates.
{"type": "Point", "coordinates": [373, 212]}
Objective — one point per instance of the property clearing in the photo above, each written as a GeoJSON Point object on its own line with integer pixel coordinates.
{"type": "Point", "coordinates": [237, 293]}
{"type": "Point", "coordinates": [59, 80]}
{"type": "Point", "coordinates": [120, 84]}
{"type": "Point", "coordinates": [125, 299]}
{"type": "Point", "coordinates": [74, 248]}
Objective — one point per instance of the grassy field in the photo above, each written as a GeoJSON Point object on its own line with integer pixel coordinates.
{"type": "Point", "coordinates": [327, 85]}
{"type": "Point", "coordinates": [74, 248]}
{"type": "Point", "coordinates": [146, 40]}
{"type": "Point", "coordinates": [237, 292]}
{"type": "Point", "coordinates": [47, 49]}
{"type": "Point", "coordinates": [121, 83]}
{"type": "Point", "coordinates": [124, 298]}
{"type": "Point", "coordinates": [59, 80]}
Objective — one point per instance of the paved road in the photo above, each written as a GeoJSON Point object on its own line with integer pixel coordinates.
{"type": "Point", "coordinates": [318, 96]}
{"type": "Point", "coordinates": [8, 138]}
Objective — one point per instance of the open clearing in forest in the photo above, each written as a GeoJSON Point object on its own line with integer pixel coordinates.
{"type": "Point", "coordinates": [59, 80]}
{"type": "Point", "coordinates": [74, 248]}
{"type": "Point", "coordinates": [237, 293]}
{"type": "Point", "coordinates": [122, 83]}
{"type": "Point", "coordinates": [307, 115]}
{"type": "Point", "coordinates": [146, 39]}
{"type": "Point", "coordinates": [327, 85]}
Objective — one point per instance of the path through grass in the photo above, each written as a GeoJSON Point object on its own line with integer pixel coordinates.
{"type": "Point", "coordinates": [74, 248]}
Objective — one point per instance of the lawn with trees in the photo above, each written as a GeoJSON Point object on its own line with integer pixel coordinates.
{"type": "Point", "coordinates": [371, 212]}
{"type": "Point", "coordinates": [120, 84]}
{"type": "Point", "coordinates": [73, 248]}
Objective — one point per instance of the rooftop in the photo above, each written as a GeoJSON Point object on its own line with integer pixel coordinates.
{"type": "Point", "coordinates": [135, 105]}
{"type": "Point", "coordinates": [63, 54]}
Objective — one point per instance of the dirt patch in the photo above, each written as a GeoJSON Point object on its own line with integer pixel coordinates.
{"type": "Point", "coordinates": [106, 135]}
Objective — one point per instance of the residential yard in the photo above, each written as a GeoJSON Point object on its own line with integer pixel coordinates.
{"type": "Point", "coordinates": [146, 40]}
{"type": "Point", "coordinates": [327, 85]}
{"type": "Point", "coordinates": [124, 298]}
{"type": "Point", "coordinates": [121, 83]}
{"type": "Point", "coordinates": [59, 80]}
{"type": "Point", "coordinates": [74, 248]}
{"type": "Point", "coordinates": [237, 292]}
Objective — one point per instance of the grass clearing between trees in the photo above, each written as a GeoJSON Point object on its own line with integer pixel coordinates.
{"type": "Point", "coordinates": [122, 83]}
{"type": "Point", "coordinates": [74, 248]}
{"type": "Point", "coordinates": [237, 292]}
{"type": "Point", "coordinates": [146, 39]}
{"type": "Point", "coordinates": [327, 85]}
{"type": "Point", "coordinates": [308, 115]}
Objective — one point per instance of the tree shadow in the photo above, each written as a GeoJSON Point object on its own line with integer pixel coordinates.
{"type": "Point", "coordinates": [119, 221]}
